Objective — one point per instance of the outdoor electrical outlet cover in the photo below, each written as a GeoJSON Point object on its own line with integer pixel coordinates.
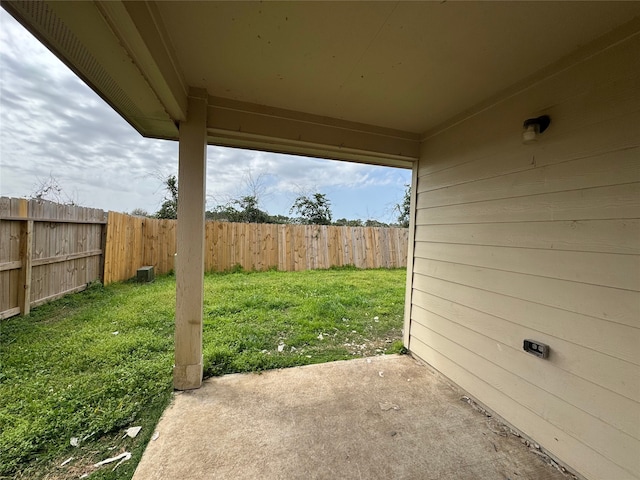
{"type": "Point", "coordinates": [536, 348]}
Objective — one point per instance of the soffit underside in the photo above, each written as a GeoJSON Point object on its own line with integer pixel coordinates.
{"type": "Point", "coordinates": [349, 80]}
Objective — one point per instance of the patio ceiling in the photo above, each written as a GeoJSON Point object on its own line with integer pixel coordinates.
{"type": "Point", "coordinates": [362, 81]}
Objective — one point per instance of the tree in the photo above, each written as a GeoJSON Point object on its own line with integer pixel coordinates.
{"type": "Point", "coordinates": [169, 208]}
{"type": "Point", "coordinates": [139, 212]}
{"type": "Point", "coordinates": [404, 208]}
{"type": "Point", "coordinates": [343, 222]}
{"type": "Point", "coordinates": [51, 190]}
{"type": "Point", "coordinates": [243, 210]}
{"type": "Point", "coordinates": [375, 223]}
{"type": "Point", "coordinates": [315, 210]}
{"type": "Point", "coordinates": [281, 219]}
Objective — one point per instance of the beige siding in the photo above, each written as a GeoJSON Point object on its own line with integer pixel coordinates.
{"type": "Point", "coordinates": [541, 241]}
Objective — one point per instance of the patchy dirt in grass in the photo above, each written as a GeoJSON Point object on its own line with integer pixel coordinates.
{"type": "Point", "coordinates": [364, 347]}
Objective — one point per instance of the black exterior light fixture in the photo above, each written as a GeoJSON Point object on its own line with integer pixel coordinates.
{"type": "Point", "coordinates": [534, 127]}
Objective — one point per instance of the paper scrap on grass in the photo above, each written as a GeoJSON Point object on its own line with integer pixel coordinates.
{"type": "Point", "coordinates": [123, 457]}
{"type": "Point", "coordinates": [132, 432]}
{"type": "Point", "coordinates": [115, 333]}
{"type": "Point", "coordinates": [74, 441]}
{"type": "Point", "coordinates": [120, 462]}
{"type": "Point", "coordinates": [281, 347]}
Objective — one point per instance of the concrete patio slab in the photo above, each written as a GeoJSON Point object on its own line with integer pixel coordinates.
{"type": "Point", "coordinates": [386, 417]}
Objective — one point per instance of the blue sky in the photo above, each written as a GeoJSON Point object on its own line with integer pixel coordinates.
{"type": "Point", "coordinates": [53, 125]}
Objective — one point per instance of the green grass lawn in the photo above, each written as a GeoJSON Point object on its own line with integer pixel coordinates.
{"type": "Point", "coordinates": [93, 364]}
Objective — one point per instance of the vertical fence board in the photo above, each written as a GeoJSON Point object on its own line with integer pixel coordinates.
{"type": "Point", "coordinates": [46, 251]}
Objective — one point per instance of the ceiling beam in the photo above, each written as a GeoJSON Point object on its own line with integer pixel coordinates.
{"type": "Point", "coordinates": [245, 125]}
{"type": "Point", "coordinates": [142, 33]}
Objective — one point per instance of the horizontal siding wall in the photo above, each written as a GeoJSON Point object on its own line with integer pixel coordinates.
{"type": "Point", "coordinates": [541, 241]}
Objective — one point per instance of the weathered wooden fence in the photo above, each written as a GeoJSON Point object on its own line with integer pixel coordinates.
{"type": "Point", "coordinates": [136, 241]}
{"type": "Point", "coordinates": [46, 251]}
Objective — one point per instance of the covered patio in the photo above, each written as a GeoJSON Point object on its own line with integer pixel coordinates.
{"type": "Point", "coordinates": [381, 417]}
{"type": "Point", "coordinates": [519, 121]}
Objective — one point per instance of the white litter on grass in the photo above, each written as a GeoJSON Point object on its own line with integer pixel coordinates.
{"type": "Point", "coordinates": [123, 457]}
{"type": "Point", "coordinates": [385, 406]}
{"type": "Point", "coordinates": [75, 441]}
{"type": "Point", "coordinates": [281, 347]}
{"type": "Point", "coordinates": [155, 436]}
{"type": "Point", "coordinates": [320, 337]}
{"type": "Point", "coordinates": [115, 333]}
{"type": "Point", "coordinates": [132, 432]}
{"type": "Point", "coordinates": [120, 462]}
{"type": "Point", "coordinates": [66, 461]}
{"type": "Point", "coordinates": [375, 319]}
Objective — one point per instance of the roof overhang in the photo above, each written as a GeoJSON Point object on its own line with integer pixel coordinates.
{"type": "Point", "coordinates": [357, 81]}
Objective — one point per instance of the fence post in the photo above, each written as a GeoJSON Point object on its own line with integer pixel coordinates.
{"type": "Point", "coordinates": [26, 247]}
{"type": "Point", "coordinates": [103, 248]}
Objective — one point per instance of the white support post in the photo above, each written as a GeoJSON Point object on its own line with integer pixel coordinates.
{"type": "Point", "coordinates": [187, 372]}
